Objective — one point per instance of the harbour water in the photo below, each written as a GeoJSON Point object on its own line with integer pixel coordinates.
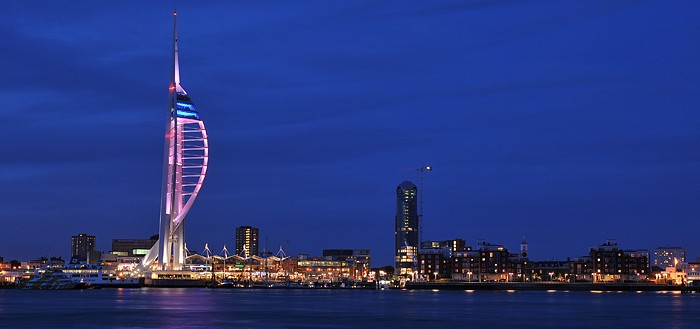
{"type": "Point", "coordinates": [320, 308]}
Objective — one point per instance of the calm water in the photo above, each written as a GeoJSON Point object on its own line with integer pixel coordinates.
{"type": "Point", "coordinates": [237, 308]}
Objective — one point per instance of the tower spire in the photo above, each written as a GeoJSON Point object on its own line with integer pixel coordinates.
{"type": "Point", "coordinates": [185, 162]}
{"type": "Point", "coordinates": [176, 61]}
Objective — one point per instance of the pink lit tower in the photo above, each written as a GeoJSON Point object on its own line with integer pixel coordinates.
{"type": "Point", "coordinates": [185, 158]}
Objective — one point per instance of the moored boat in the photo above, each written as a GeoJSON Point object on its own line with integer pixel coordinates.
{"type": "Point", "coordinates": [95, 276]}
{"type": "Point", "coordinates": [49, 279]}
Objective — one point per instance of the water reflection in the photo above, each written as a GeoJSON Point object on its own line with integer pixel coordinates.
{"type": "Point", "coordinates": [154, 308]}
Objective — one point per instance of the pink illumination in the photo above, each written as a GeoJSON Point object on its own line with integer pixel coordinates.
{"type": "Point", "coordinates": [185, 162]}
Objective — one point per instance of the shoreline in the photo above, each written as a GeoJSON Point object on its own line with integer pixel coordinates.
{"type": "Point", "coordinates": [549, 286]}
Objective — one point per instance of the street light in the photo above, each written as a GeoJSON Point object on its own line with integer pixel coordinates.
{"type": "Point", "coordinates": [470, 276]}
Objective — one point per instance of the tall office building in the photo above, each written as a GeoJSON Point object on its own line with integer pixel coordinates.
{"type": "Point", "coordinates": [669, 256]}
{"type": "Point", "coordinates": [81, 245]}
{"type": "Point", "coordinates": [247, 241]}
{"type": "Point", "coordinates": [185, 162]}
{"type": "Point", "coordinates": [406, 229]}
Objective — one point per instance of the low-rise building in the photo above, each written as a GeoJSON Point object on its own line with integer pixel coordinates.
{"type": "Point", "coordinates": [358, 259]}
{"type": "Point", "coordinates": [692, 270]}
{"type": "Point", "coordinates": [550, 270]}
{"type": "Point", "coordinates": [490, 262]}
{"type": "Point", "coordinates": [434, 263]}
{"type": "Point", "coordinates": [612, 264]}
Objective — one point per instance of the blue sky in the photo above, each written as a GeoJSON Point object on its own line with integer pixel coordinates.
{"type": "Point", "coordinates": [565, 122]}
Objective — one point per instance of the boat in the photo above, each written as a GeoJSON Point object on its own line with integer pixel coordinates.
{"type": "Point", "coordinates": [95, 276]}
{"type": "Point", "coordinates": [49, 279]}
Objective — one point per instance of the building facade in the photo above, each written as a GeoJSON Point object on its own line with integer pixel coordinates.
{"type": "Point", "coordinates": [490, 262]}
{"type": "Point", "coordinates": [434, 258]}
{"type": "Point", "coordinates": [453, 245]}
{"type": "Point", "coordinates": [610, 263]}
{"type": "Point", "coordinates": [359, 259]}
{"type": "Point", "coordinates": [669, 256]}
{"type": "Point", "coordinates": [434, 263]}
{"type": "Point", "coordinates": [247, 241]}
{"type": "Point", "coordinates": [133, 247]}
{"type": "Point", "coordinates": [406, 230]}
{"type": "Point", "coordinates": [81, 245]}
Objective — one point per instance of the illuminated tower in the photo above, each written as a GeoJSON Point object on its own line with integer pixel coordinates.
{"type": "Point", "coordinates": [185, 158]}
{"type": "Point", "coordinates": [406, 229]}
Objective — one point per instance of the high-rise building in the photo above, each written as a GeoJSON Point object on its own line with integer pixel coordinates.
{"type": "Point", "coordinates": [669, 256]}
{"type": "Point", "coordinates": [247, 241]}
{"type": "Point", "coordinates": [185, 162]}
{"type": "Point", "coordinates": [406, 229]}
{"type": "Point", "coordinates": [81, 245]}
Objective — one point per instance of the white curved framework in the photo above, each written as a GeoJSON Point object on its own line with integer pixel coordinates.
{"type": "Point", "coordinates": [186, 157]}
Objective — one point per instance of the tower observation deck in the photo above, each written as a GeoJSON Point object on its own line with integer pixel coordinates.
{"type": "Point", "coordinates": [185, 160]}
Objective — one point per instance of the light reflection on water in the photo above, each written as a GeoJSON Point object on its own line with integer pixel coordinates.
{"type": "Point", "coordinates": [199, 308]}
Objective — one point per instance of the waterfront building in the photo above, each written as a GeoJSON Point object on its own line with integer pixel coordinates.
{"type": "Point", "coordinates": [434, 258]}
{"type": "Point", "coordinates": [81, 245]}
{"type": "Point", "coordinates": [434, 263]}
{"type": "Point", "coordinates": [234, 267]}
{"type": "Point", "coordinates": [133, 247]}
{"type": "Point", "coordinates": [493, 261]}
{"type": "Point", "coordinates": [610, 263]}
{"type": "Point", "coordinates": [325, 270]}
{"type": "Point", "coordinates": [489, 262]}
{"type": "Point", "coordinates": [247, 241]}
{"type": "Point", "coordinates": [671, 275]}
{"type": "Point", "coordinates": [550, 270]}
{"type": "Point", "coordinates": [692, 270]}
{"type": "Point", "coordinates": [669, 256]}
{"type": "Point", "coordinates": [359, 260]}
{"type": "Point", "coordinates": [185, 161]}
{"type": "Point", "coordinates": [453, 245]}
{"type": "Point", "coordinates": [581, 269]}
{"type": "Point", "coordinates": [406, 230]}
{"type": "Point", "coordinates": [226, 266]}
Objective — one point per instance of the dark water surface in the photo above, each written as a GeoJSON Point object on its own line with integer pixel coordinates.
{"type": "Point", "coordinates": [239, 308]}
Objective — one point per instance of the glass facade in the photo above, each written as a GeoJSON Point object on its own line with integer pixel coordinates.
{"type": "Point", "coordinates": [406, 229]}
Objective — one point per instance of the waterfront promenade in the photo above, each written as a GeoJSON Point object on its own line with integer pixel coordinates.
{"type": "Point", "coordinates": [555, 286]}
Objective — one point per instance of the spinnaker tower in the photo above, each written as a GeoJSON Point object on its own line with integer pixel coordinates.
{"type": "Point", "coordinates": [185, 160]}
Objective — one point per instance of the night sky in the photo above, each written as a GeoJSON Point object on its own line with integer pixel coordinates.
{"type": "Point", "coordinates": [567, 122]}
